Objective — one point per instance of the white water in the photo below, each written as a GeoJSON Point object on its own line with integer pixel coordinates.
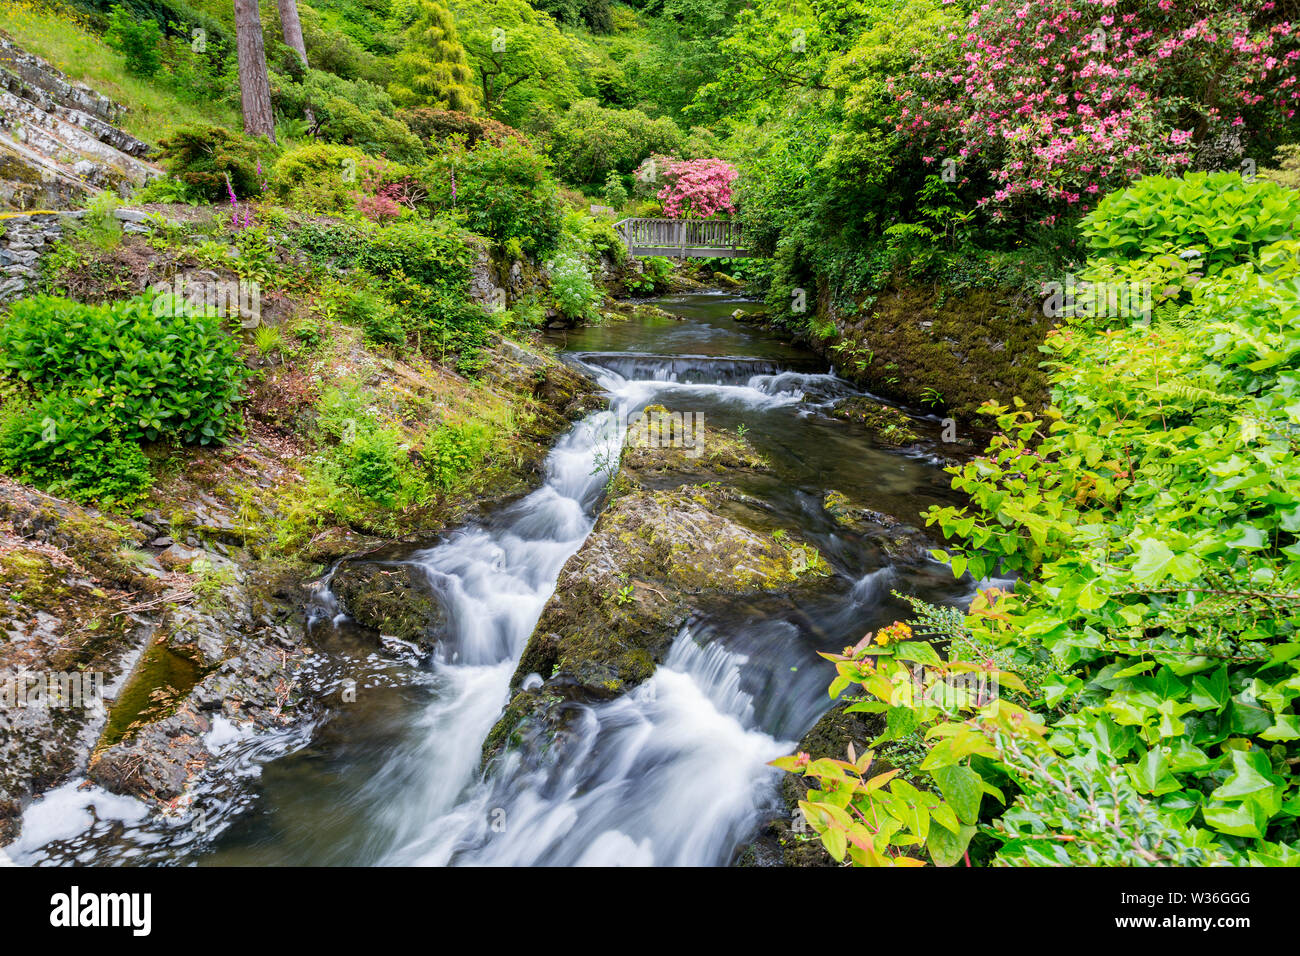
{"type": "Point", "coordinates": [672, 773]}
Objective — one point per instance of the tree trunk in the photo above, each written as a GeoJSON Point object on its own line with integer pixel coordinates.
{"type": "Point", "coordinates": [292, 28]}
{"type": "Point", "coordinates": [254, 87]}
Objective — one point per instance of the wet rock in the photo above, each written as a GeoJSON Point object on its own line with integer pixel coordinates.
{"type": "Point", "coordinates": [622, 598]}
{"type": "Point", "coordinates": [392, 600]}
{"type": "Point", "coordinates": [891, 426]}
{"type": "Point", "coordinates": [902, 542]}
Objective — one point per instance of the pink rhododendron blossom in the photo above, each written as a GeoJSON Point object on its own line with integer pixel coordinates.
{"type": "Point", "coordinates": [697, 188]}
{"type": "Point", "coordinates": [1051, 109]}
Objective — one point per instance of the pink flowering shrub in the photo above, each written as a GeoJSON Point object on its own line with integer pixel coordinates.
{"type": "Point", "coordinates": [385, 191]}
{"type": "Point", "coordinates": [1066, 99]}
{"type": "Point", "coordinates": [697, 188]}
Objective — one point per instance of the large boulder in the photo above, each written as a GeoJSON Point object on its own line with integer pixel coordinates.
{"type": "Point", "coordinates": [393, 600]}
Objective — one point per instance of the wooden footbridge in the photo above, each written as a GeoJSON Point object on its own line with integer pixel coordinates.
{"type": "Point", "coordinates": [684, 238]}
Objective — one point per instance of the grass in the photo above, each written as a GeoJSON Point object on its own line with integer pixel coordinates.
{"type": "Point", "coordinates": [67, 41]}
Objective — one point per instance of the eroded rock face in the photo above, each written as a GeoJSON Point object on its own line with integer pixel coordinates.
{"type": "Point", "coordinates": [84, 596]}
{"type": "Point", "coordinates": [58, 139]}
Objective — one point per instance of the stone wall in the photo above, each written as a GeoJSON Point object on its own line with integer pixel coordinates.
{"type": "Point", "coordinates": [26, 238]}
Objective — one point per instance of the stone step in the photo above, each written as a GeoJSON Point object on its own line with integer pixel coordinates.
{"type": "Point", "coordinates": [55, 86]}
{"type": "Point", "coordinates": [57, 138]}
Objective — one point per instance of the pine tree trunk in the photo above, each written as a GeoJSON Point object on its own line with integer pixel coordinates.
{"type": "Point", "coordinates": [292, 27]}
{"type": "Point", "coordinates": [254, 87]}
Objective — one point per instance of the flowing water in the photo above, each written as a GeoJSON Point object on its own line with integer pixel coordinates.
{"type": "Point", "coordinates": [674, 772]}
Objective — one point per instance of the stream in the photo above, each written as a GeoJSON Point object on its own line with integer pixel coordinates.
{"type": "Point", "coordinates": [675, 772]}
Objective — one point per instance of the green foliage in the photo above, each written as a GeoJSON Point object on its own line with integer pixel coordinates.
{"type": "Point", "coordinates": [432, 69]}
{"type": "Point", "coordinates": [374, 316]}
{"type": "Point", "coordinates": [432, 253]}
{"type": "Point", "coordinates": [615, 193]}
{"type": "Point", "coordinates": [1152, 515]}
{"type": "Point", "coordinates": [74, 448]}
{"type": "Point", "coordinates": [161, 372]}
{"type": "Point", "coordinates": [137, 39]}
{"type": "Point", "coordinates": [353, 112]}
{"type": "Point", "coordinates": [104, 378]}
{"type": "Point", "coordinates": [453, 451]}
{"type": "Point", "coordinates": [369, 458]}
{"type": "Point", "coordinates": [650, 276]}
{"type": "Point", "coordinates": [573, 289]}
{"type": "Point", "coordinates": [1287, 169]}
{"type": "Point", "coordinates": [204, 158]}
{"type": "Point", "coordinates": [99, 226]}
{"type": "Point", "coordinates": [590, 142]}
{"type": "Point", "coordinates": [319, 177]}
{"type": "Point", "coordinates": [503, 192]}
{"type": "Point", "coordinates": [1219, 216]}
{"type": "Point", "coordinates": [529, 71]}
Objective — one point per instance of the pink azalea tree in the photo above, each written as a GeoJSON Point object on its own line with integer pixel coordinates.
{"type": "Point", "coordinates": [697, 188]}
{"type": "Point", "coordinates": [1065, 99]}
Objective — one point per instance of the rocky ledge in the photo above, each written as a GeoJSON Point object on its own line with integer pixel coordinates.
{"type": "Point", "coordinates": [655, 554]}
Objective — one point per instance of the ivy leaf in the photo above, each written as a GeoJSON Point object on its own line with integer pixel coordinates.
{"type": "Point", "coordinates": [1153, 560]}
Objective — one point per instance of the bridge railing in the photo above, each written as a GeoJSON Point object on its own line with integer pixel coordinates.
{"type": "Point", "coordinates": [682, 237]}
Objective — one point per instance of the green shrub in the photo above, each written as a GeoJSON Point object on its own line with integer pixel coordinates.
{"type": "Point", "coordinates": [589, 141]}
{"type": "Point", "coordinates": [1219, 215]}
{"type": "Point", "coordinates": [204, 157]}
{"type": "Point", "coordinates": [367, 456]}
{"type": "Point", "coordinates": [376, 318]}
{"type": "Point", "coordinates": [503, 192]}
{"type": "Point", "coordinates": [99, 226]}
{"type": "Point", "coordinates": [572, 287]}
{"type": "Point", "coordinates": [73, 447]}
{"type": "Point", "coordinates": [615, 192]}
{"type": "Point", "coordinates": [351, 112]}
{"type": "Point", "coordinates": [372, 465]}
{"type": "Point", "coordinates": [438, 126]}
{"type": "Point", "coordinates": [319, 177]}
{"type": "Point", "coordinates": [137, 39]}
{"type": "Point", "coordinates": [452, 451]}
{"type": "Point", "coordinates": [433, 254]}
{"type": "Point", "coordinates": [159, 375]}
{"type": "Point", "coordinates": [441, 325]}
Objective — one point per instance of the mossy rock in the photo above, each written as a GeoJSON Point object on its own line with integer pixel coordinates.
{"type": "Point", "coordinates": [623, 598]}
{"type": "Point", "coordinates": [653, 453]}
{"type": "Point", "coordinates": [391, 599]}
{"type": "Point", "coordinates": [925, 346]}
{"type": "Point", "coordinates": [891, 426]}
{"type": "Point", "coordinates": [902, 542]}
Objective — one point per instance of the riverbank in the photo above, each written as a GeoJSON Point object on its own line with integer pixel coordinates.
{"type": "Point", "coordinates": [193, 610]}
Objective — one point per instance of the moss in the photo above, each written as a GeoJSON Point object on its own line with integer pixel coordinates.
{"type": "Point", "coordinates": [892, 426]}
{"type": "Point", "coordinates": [162, 679]}
{"type": "Point", "coordinates": [392, 601]}
{"type": "Point", "coordinates": [922, 346]}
